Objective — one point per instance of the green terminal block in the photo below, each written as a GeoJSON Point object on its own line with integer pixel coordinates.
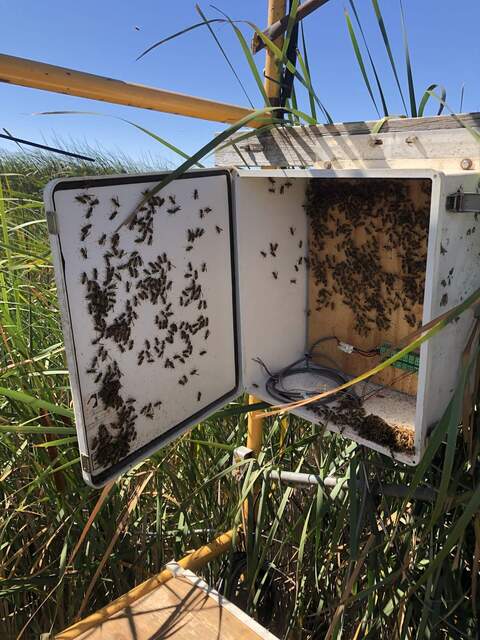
{"type": "Point", "coordinates": [409, 362]}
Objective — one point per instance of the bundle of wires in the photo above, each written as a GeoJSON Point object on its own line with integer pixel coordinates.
{"type": "Point", "coordinates": [303, 379]}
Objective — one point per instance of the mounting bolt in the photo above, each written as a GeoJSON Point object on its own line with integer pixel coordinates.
{"type": "Point", "coordinates": [327, 164]}
{"type": "Point", "coordinates": [466, 164]}
{"type": "Point", "coordinates": [411, 139]}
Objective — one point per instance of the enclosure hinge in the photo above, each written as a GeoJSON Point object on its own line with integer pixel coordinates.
{"type": "Point", "coordinates": [85, 460]}
{"type": "Point", "coordinates": [52, 223]}
{"type": "Point", "coordinates": [461, 202]}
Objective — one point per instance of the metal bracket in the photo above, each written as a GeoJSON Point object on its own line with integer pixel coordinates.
{"type": "Point", "coordinates": [461, 202]}
{"type": "Point", "coordinates": [52, 223]}
{"type": "Point", "coordinates": [86, 466]}
{"type": "Point", "coordinates": [240, 454]}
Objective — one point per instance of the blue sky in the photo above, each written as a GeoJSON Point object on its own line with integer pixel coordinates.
{"type": "Point", "coordinates": [101, 37]}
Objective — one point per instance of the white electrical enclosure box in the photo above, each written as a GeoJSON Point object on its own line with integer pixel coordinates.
{"type": "Point", "coordinates": [170, 316]}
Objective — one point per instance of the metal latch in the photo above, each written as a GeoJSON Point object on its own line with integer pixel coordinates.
{"type": "Point", "coordinates": [85, 461]}
{"type": "Point", "coordinates": [52, 222]}
{"type": "Point", "coordinates": [461, 202]}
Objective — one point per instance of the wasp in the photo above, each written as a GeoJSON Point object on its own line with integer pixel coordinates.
{"type": "Point", "coordinates": [113, 215]}
{"type": "Point", "coordinates": [199, 396]}
{"type": "Point", "coordinates": [84, 277]}
{"type": "Point", "coordinates": [202, 353]}
{"type": "Point", "coordinates": [189, 247]}
{"type": "Point", "coordinates": [174, 209]}
{"type": "Point", "coordinates": [292, 231]}
{"type": "Point", "coordinates": [218, 229]}
{"type": "Point", "coordinates": [204, 267]}
{"type": "Point", "coordinates": [293, 281]}
{"type": "Point", "coordinates": [94, 396]}
{"type": "Point", "coordinates": [115, 201]}
{"type": "Point", "coordinates": [263, 254]}
{"type": "Point", "coordinates": [195, 194]}
{"type": "Point", "coordinates": [84, 253]}
{"type": "Point", "coordinates": [275, 274]}
{"type": "Point", "coordinates": [102, 239]}
{"type": "Point", "coordinates": [85, 230]}
{"type": "Point", "coordinates": [207, 333]}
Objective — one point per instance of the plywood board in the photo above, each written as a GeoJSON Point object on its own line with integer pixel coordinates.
{"type": "Point", "coordinates": [336, 317]}
{"type": "Point", "coordinates": [184, 608]}
{"type": "Point", "coordinates": [148, 310]}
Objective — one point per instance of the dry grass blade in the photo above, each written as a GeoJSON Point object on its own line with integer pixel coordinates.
{"type": "Point", "coordinates": [132, 503]}
{"type": "Point", "coordinates": [91, 519]}
{"type": "Point", "coordinates": [349, 586]}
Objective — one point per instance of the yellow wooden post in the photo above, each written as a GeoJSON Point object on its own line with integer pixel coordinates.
{"type": "Point", "coordinates": [276, 10]}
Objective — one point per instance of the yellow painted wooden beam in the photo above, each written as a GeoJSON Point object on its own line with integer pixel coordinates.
{"type": "Point", "coordinates": [193, 562]}
{"type": "Point", "coordinates": [38, 75]}
{"type": "Point", "coordinates": [276, 11]}
{"type": "Point", "coordinates": [254, 428]}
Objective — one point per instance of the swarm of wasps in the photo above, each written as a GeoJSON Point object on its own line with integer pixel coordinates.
{"type": "Point", "coordinates": [142, 282]}
{"type": "Point", "coordinates": [348, 270]}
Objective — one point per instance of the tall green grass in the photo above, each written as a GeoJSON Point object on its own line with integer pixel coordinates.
{"type": "Point", "coordinates": [318, 561]}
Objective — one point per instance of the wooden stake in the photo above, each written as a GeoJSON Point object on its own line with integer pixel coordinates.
{"type": "Point", "coordinates": [276, 11]}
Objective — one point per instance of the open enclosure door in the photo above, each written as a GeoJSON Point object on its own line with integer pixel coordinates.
{"type": "Point", "coordinates": [148, 309]}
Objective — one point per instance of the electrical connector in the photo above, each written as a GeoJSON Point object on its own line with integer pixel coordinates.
{"type": "Point", "coordinates": [345, 347]}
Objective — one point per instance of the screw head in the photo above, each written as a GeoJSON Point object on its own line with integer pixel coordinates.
{"type": "Point", "coordinates": [327, 164]}
{"type": "Point", "coordinates": [466, 164]}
